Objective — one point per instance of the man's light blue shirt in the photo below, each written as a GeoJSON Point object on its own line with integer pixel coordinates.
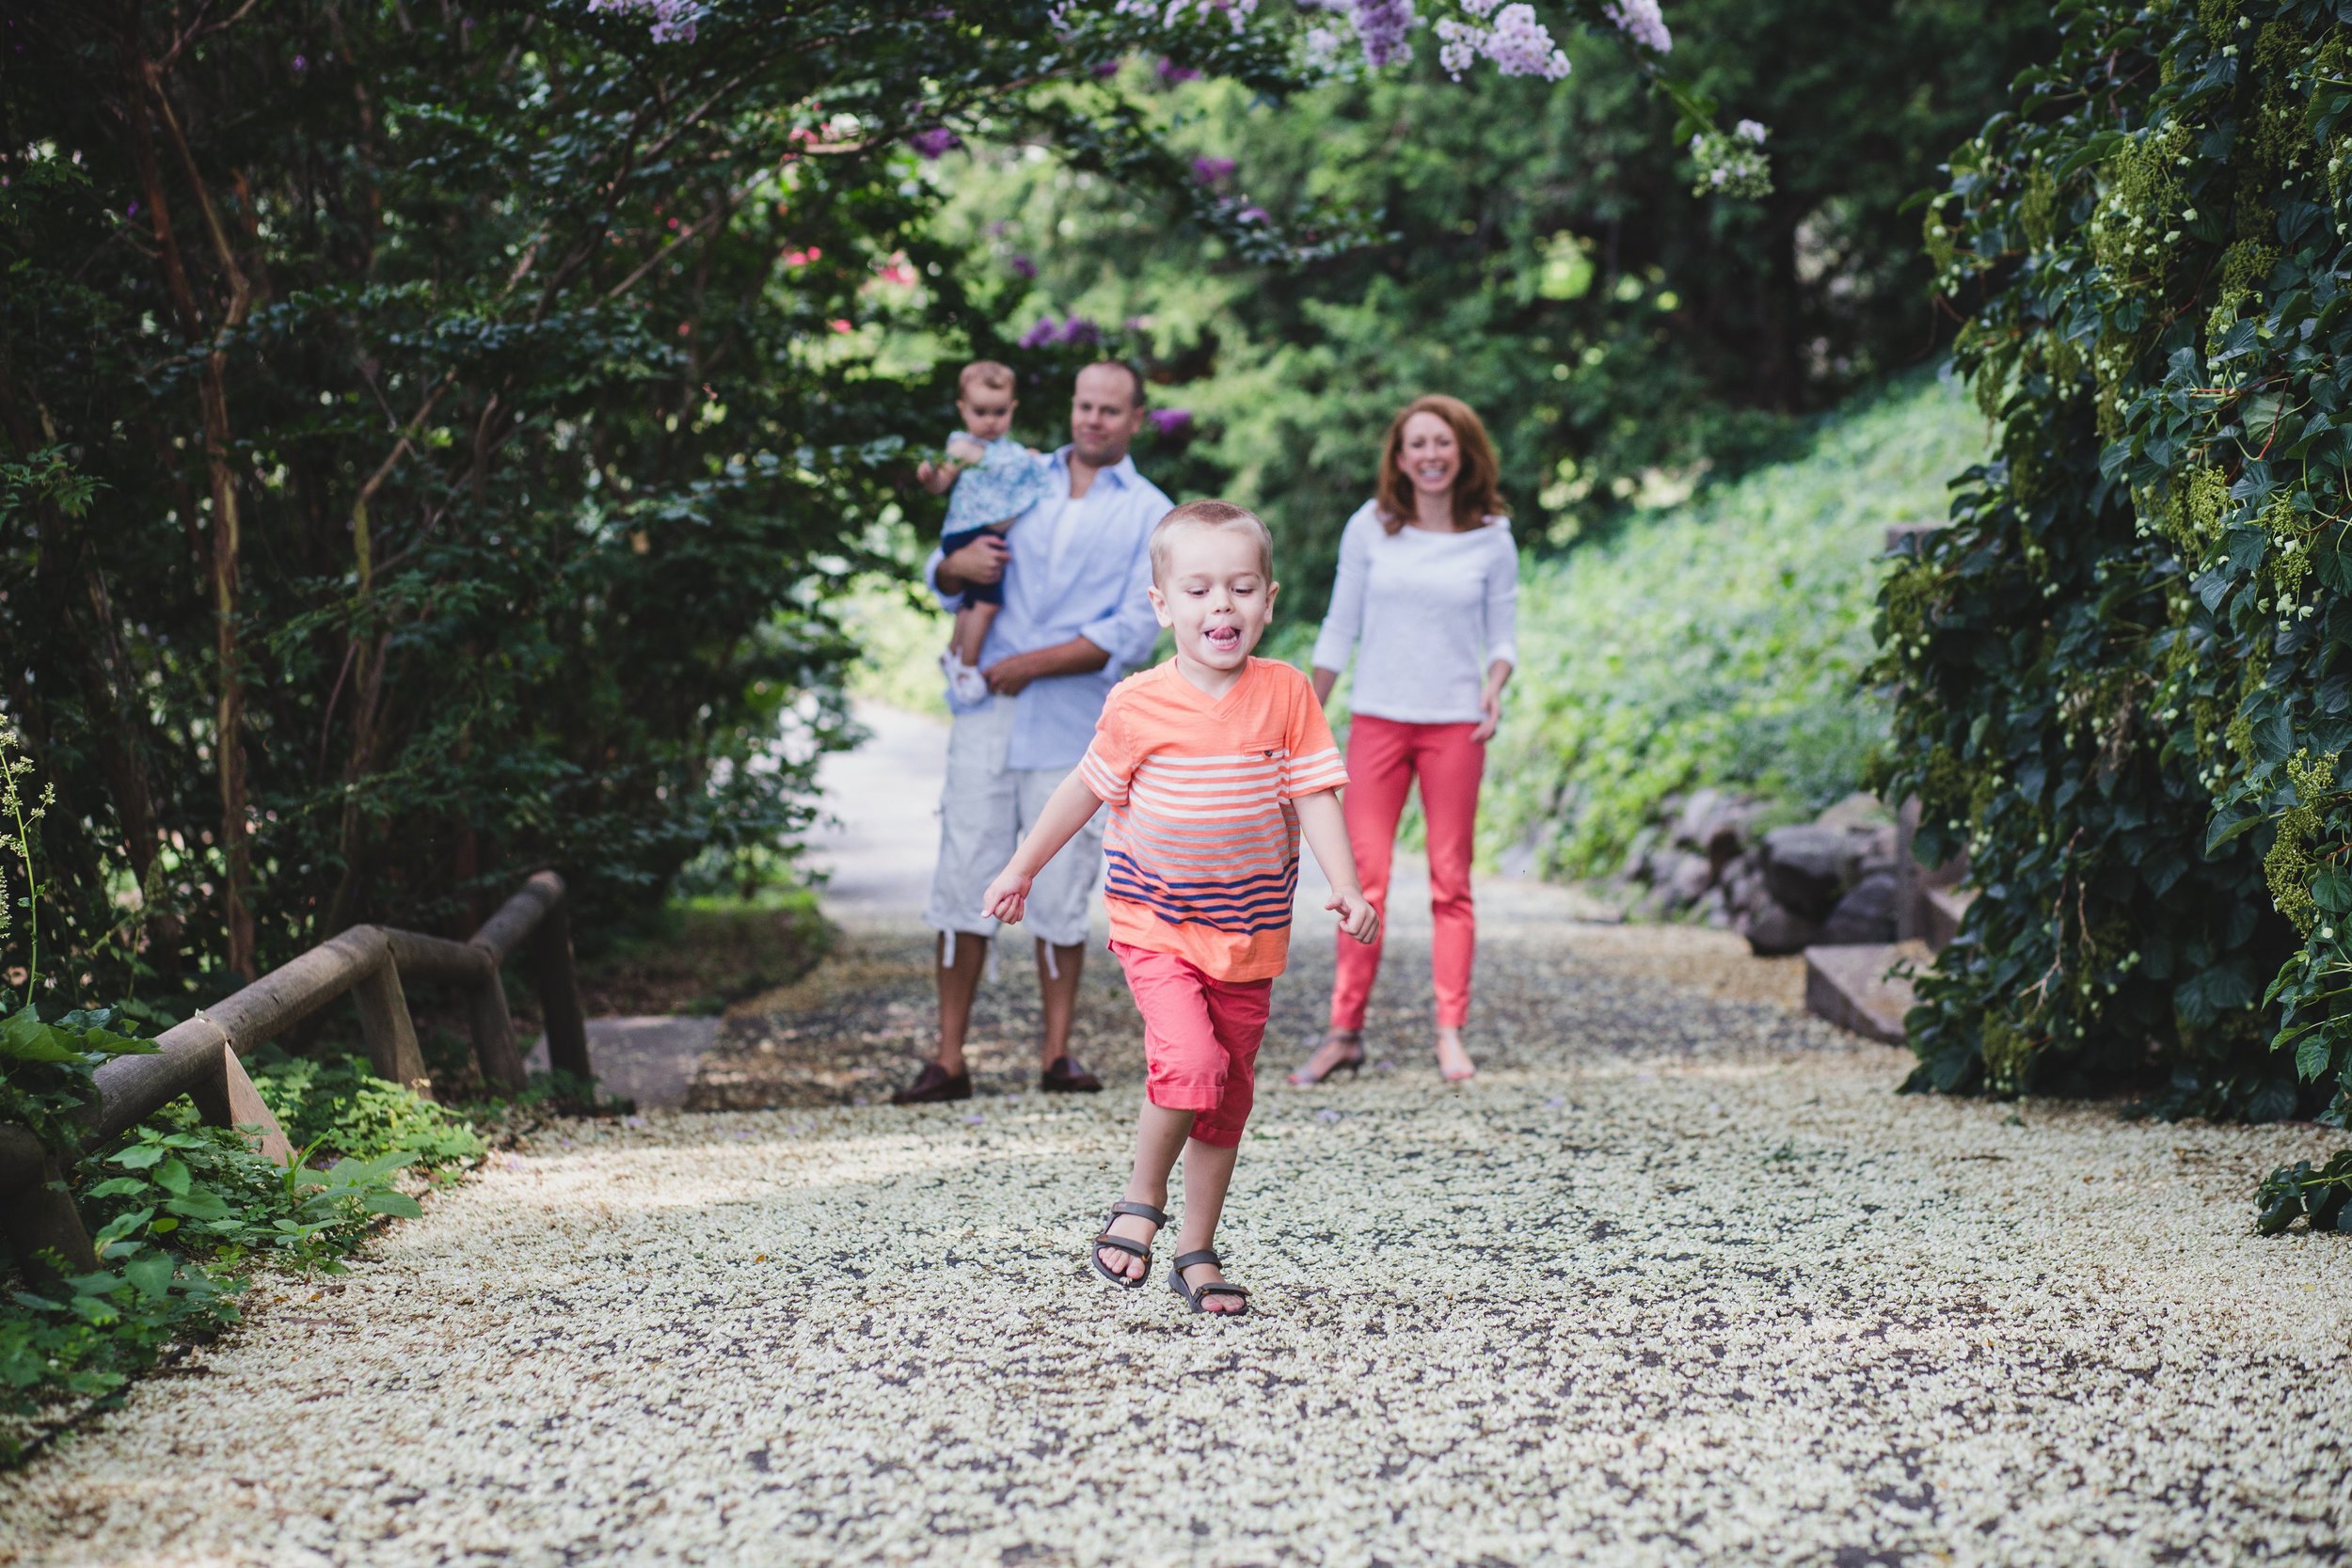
{"type": "Point", "coordinates": [1091, 579]}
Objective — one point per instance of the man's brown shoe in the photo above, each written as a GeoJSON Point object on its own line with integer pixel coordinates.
{"type": "Point", "coordinates": [1063, 1075]}
{"type": "Point", "coordinates": [933, 1085]}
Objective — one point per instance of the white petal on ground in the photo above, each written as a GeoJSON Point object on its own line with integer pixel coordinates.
{"type": "Point", "coordinates": [1677, 1279]}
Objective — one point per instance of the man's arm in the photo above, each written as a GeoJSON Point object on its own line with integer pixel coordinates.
{"type": "Point", "coordinates": [1077, 657]}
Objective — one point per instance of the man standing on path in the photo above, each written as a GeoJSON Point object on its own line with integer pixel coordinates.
{"type": "Point", "coordinates": [1077, 616]}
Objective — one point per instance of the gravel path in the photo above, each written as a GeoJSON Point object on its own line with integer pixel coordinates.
{"type": "Point", "coordinates": [1678, 1279]}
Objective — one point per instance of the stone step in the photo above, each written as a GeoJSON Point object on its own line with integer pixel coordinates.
{"type": "Point", "coordinates": [1850, 987]}
{"type": "Point", "coordinates": [1940, 909]}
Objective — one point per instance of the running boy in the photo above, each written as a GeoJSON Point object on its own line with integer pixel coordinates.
{"type": "Point", "coordinates": [1211, 764]}
{"type": "Point", "coordinates": [994, 479]}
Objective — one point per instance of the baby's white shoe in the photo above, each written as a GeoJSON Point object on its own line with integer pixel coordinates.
{"type": "Point", "coordinates": [965, 684]}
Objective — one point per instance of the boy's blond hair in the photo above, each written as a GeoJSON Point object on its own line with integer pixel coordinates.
{"type": "Point", "coordinates": [983, 373]}
{"type": "Point", "coordinates": [1209, 514]}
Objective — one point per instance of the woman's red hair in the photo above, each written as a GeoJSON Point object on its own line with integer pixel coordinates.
{"type": "Point", "coordinates": [1477, 502]}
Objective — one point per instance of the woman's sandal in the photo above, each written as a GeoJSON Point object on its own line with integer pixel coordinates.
{"type": "Point", "coordinates": [1120, 1243]}
{"type": "Point", "coordinates": [1306, 1077]}
{"type": "Point", "coordinates": [1219, 1288]}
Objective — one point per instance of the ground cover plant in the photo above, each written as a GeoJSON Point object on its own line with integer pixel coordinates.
{"type": "Point", "coordinates": [2123, 675]}
{"type": "Point", "coordinates": [1720, 642]}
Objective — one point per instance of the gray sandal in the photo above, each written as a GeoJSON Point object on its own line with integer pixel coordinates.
{"type": "Point", "coordinates": [1120, 1243]}
{"type": "Point", "coordinates": [1219, 1287]}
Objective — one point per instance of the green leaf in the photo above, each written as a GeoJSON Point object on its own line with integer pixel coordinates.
{"type": "Point", "coordinates": [172, 1177]}
{"type": "Point", "coordinates": [151, 1274]}
{"type": "Point", "coordinates": [138, 1156]}
{"type": "Point", "coordinates": [388, 1200]}
{"type": "Point", "coordinates": [2310, 1056]}
{"type": "Point", "coordinates": [26, 1039]}
{"type": "Point", "coordinates": [202, 1203]}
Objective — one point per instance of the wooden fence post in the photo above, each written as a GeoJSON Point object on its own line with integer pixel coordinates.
{"type": "Point", "coordinates": [40, 1215]}
{"type": "Point", "coordinates": [389, 1033]}
{"type": "Point", "coordinates": [494, 1033]}
{"type": "Point", "coordinates": [558, 984]}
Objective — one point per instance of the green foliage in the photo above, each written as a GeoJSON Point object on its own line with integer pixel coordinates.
{"type": "Point", "coordinates": [431, 445]}
{"type": "Point", "coordinates": [1720, 641]}
{"type": "Point", "coordinates": [1543, 259]}
{"type": "Point", "coordinates": [337, 1107]}
{"type": "Point", "coordinates": [2324, 1197]}
{"type": "Point", "coordinates": [2124, 689]}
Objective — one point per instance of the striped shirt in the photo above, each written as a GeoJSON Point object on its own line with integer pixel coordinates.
{"type": "Point", "coordinates": [1201, 849]}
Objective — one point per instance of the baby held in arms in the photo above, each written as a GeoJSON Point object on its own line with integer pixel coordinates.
{"type": "Point", "coordinates": [991, 479]}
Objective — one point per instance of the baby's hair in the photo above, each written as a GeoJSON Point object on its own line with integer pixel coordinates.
{"type": "Point", "coordinates": [1209, 514]}
{"type": "Point", "coordinates": [984, 373]}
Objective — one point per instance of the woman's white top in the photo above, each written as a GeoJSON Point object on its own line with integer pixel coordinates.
{"type": "Point", "coordinates": [1424, 613]}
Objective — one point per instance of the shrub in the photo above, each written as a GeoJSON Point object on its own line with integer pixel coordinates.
{"type": "Point", "coordinates": [2120, 665]}
{"type": "Point", "coordinates": [1719, 643]}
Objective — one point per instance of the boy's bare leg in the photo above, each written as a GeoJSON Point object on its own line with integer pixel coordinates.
{"type": "Point", "coordinates": [1058, 984]}
{"type": "Point", "coordinates": [1208, 1171]}
{"type": "Point", "coordinates": [971, 624]}
{"type": "Point", "coordinates": [959, 982]}
{"type": "Point", "coordinates": [1161, 1135]}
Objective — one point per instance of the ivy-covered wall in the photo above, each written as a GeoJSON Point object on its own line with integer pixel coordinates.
{"type": "Point", "coordinates": [2122, 672]}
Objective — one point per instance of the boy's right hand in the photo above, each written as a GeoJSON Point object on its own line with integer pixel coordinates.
{"type": "Point", "coordinates": [1008, 897]}
{"type": "Point", "coordinates": [1357, 918]}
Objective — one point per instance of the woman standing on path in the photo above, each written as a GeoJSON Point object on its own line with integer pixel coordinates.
{"type": "Point", "coordinates": [1427, 603]}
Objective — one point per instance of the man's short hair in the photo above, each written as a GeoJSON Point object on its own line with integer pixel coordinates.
{"type": "Point", "coordinates": [1134, 376]}
{"type": "Point", "coordinates": [1209, 514]}
{"type": "Point", "coordinates": [984, 373]}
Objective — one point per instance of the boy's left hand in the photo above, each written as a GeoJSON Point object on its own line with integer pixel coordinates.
{"type": "Point", "coordinates": [1357, 918]}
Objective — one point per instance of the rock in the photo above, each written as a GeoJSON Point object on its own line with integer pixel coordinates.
{"type": "Point", "coordinates": [1726, 837]}
{"type": "Point", "coordinates": [1637, 857]}
{"type": "Point", "coordinates": [1714, 908]}
{"type": "Point", "coordinates": [1866, 914]}
{"type": "Point", "coordinates": [1806, 867]}
{"type": "Point", "coordinates": [1696, 817]}
{"type": "Point", "coordinates": [1688, 878]}
{"type": "Point", "coordinates": [1773, 930]}
{"type": "Point", "coordinates": [1858, 811]}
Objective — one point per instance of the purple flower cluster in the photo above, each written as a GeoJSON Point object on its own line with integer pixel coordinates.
{"type": "Point", "coordinates": [1518, 44]}
{"type": "Point", "coordinates": [1380, 27]}
{"type": "Point", "coordinates": [1641, 22]}
{"type": "Point", "coordinates": [1022, 266]}
{"type": "Point", "coordinates": [1170, 422]}
{"type": "Point", "coordinates": [672, 20]}
{"type": "Point", "coordinates": [1172, 73]}
{"type": "Point", "coordinates": [934, 142]}
{"type": "Point", "coordinates": [1211, 172]}
{"type": "Point", "coordinates": [1078, 332]}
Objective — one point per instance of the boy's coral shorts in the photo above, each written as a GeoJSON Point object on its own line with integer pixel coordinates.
{"type": "Point", "coordinates": [1200, 1039]}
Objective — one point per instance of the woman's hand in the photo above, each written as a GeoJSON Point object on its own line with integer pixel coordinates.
{"type": "Point", "coordinates": [1357, 918]}
{"type": "Point", "coordinates": [1008, 897]}
{"type": "Point", "coordinates": [1490, 702]}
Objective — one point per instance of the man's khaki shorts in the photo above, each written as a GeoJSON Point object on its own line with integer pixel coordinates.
{"type": "Point", "coordinates": [984, 809]}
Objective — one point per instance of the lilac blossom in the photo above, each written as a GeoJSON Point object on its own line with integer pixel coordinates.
{"type": "Point", "coordinates": [1641, 22]}
{"type": "Point", "coordinates": [1380, 27]}
{"type": "Point", "coordinates": [1044, 332]}
{"type": "Point", "coordinates": [1077, 331]}
{"type": "Point", "coordinates": [1518, 43]}
{"type": "Point", "coordinates": [1022, 266]}
{"type": "Point", "coordinates": [1170, 422]}
{"type": "Point", "coordinates": [935, 141]}
{"type": "Point", "coordinates": [672, 20]}
{"type": "Point", "coordinates": [1211, 171]}
{"type": "Point", "coordinates": [1750, 129]}
{"type": "Point", "coordinates": [1172, 73]}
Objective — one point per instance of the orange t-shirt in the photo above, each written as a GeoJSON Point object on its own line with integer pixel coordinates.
{"type": "Point", "coordinates": [1202, 844]}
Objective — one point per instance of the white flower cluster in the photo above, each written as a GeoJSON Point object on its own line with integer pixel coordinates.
{"type": "Point", "coordinates": [1732, 164]}
{"type": "Point", "coordinates": [1517, 42]}
{"type": "Point", "coordinates": [672, 20]}
{"type": "Point", "coordinates": [1641, 22]}
{"type": "Point", "coordinates": [1170, 12]}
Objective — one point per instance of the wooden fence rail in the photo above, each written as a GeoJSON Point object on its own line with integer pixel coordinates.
{"type": "Point", "coordinates": [199, 1057]}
